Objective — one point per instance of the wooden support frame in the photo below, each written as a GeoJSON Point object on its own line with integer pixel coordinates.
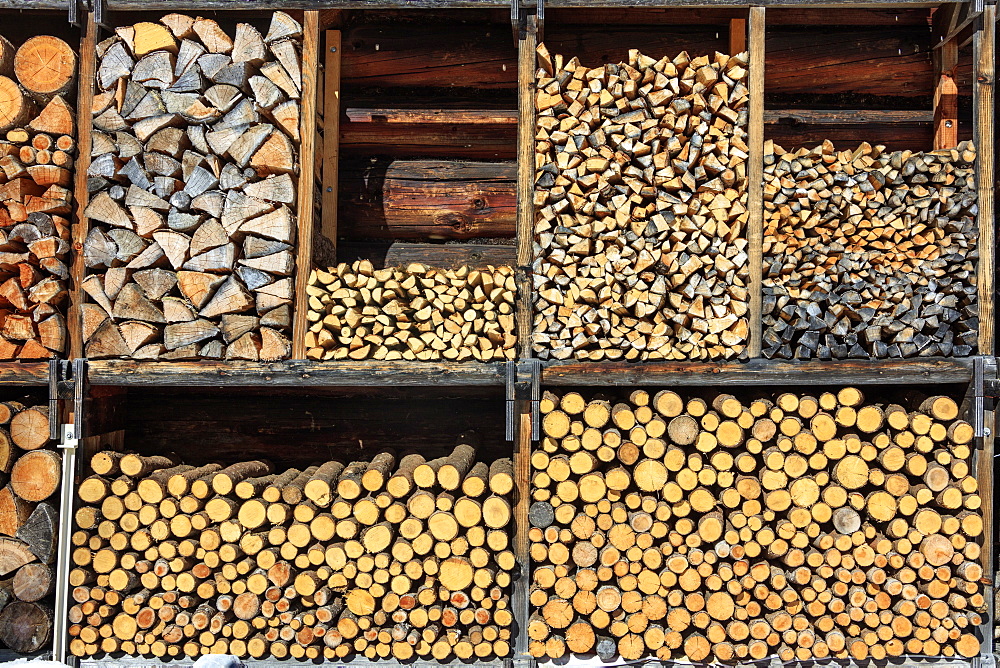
{"type": "Point", "coordinates": [331, 135]}
{"type": "Point", "coordinates": [984, 95]}
{"type": "Point", "coordinates": [525, 184]}
{"type": "Point", "coordinates": [307, 171]}
{"type": "Point", "coordinates": [946, 96]}
{"type": "Point", "coordinates": [755, 179]}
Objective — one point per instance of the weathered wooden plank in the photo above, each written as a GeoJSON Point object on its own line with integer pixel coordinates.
{"type": "Point", "coordinates": [846, 116]}
{"type": "Point", "coordinates": [984, 92]}
{"type": "Point", "coordinates": [428, 199]}
{"type": "Point", "coordinates": [24, 373]}
{"type": "Point", "coordinates": [331, 136]}
{"type": "Point", "coordinates": [793, 15]}
{"type": "Point", "coordinates": [394, 254]}
{"type": "Point", "coordinates": [896, 137]}
{"type": "Point", "coordinates": [306, 208]}
{"type": "Point", "coordinates": [758, 372]}
{"type": "Point", "coordinates": [290, 373]}
{"type": "Point", "coordinates": [946, 96]}
{"type": "Point", "coordinates": [80, 225]}
{"type": "Point", "coordinates": [525, 184]}
{"type": "Point", "coordinates": [473, 142]}
{"type": "Point", "coordinates": [755, 176]}
{"type": "Point", "coordinates": [522, 549]}
{"type": "Point", "coordinates": [431, 116]}
{"type": "Point", "coordinates": [458, 4]}
{"type": "Point", "coordinates": [737, 35]}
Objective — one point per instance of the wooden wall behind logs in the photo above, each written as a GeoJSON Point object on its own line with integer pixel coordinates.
{"type": "Point", "coordinates": [30, 470]}
{"type": "Point", "coordinates": [640, 251]}
{"type": "Point", "coordinates": [193, 181]}
{"type": "Point", "coordinates": [719, 528]}
{"type": "Point", "coordinates": [377, 558]}
{"type": "Point", "coordinates": [37, 152]}
{"type": "Point", "coordinates": [411, 313]}
{"type": "Point", "coordinates": [869, 253]}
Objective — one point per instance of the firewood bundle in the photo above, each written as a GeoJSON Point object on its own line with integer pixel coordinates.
{"type": "Point", "coordinates": [375, 558]}
{"type": "Point", "coordinates": [411, 313]}
{"type": "Point", "coordinates": [192, 240]}
{"type": "Point", "coordinates": [869, 253]}
{"type": "Point", "coordinates": [641, 196]}
{"type": "Point", "coordinates": [727, 529]}
{"type": "Point", "coordinates": [36, 182]}
{"type": "Point", "coordinates": [30, 471]}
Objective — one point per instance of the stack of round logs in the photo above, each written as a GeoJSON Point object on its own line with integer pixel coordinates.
{"type": "Point", "coordinates": [376, 558]}
{"type": "Point", "coordinates": [30, 473]}
{"type": "Point", "coordinates": [731, 529]}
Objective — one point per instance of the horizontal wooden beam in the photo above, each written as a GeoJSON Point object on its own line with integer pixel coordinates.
{"type": "Point", "coordinates": [36, 5]}
{"type": "Point", "coordinates": [847, 116]}
{"type": "Point", "coordinates": [293, 373]}
{"type": "Point", "coordinates": [24, 373]}
{"type": "Point", "coordinates": [244, 5]}
{"type": "Point", "coordinates": [759, 372]}
{"type": "Point", "coordinates": [395, 254]}
{"type": "Point", "coordinates": [430, 116]}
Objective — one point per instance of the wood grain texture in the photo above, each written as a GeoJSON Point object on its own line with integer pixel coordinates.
{"type": "Point", "coordinates": [984, 92]}
{"type": "Point", "coordinates": [522, 499]}
{"type": "Point", "coordinates": [303, 259]}
{"type": "Point", "coordinates": [295, 373]}
{"type": "Point", "coordinates": [331, 135]}
{"type": "Point", "coordinates": [81, 225]}
{"type": "Point", "coordinates": [525, 183]}
{"type": "Point", "coordinates": [470, 142]}
{"type": "Point", "coordinates": [24, 373]}
{"type": "Point", "coordinates": [392, 254]}
{"type": "Point", "coordinates": [759, 372]}
{"type": "Point", "coordinates": [755, 174]}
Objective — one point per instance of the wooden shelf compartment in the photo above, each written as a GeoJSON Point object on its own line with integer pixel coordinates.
{"type": "Point", "coordinates": [290, 428]}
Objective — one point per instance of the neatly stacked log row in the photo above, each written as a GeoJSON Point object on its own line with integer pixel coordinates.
{"type": "Point", "coordinates": [641, 199]}
{"type": "Point", "coordinates": [375, 558]}
{"type": "Point", "coordinates": [411, 313]}
{"type": "Point", "coordinates": [192, 240]}
{"type": "Point", "coordinates": [723, 529]}
{"type": "Point", "coordinates": [37, 151]}
{"type": "Point", "coordinates": [869, 253]}
{"type": "Point", "coordinates": [30, 472]}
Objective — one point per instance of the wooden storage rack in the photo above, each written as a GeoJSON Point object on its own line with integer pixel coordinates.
{"type": "Point", "coordinates": [121, 393]}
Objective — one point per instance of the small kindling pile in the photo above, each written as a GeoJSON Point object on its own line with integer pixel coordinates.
{"type": "Point", "coordinates": [869, 253]}
{"type": "Point", "coordinates": [191, 249]}
{"type": "Point", "coordinates": [414, 313]}
{"type": "Point", "coordinates": [375, 558]}
{"type": "Point", "coordinates": [36, 194]}
{"type": "Point", "coordinates": [730, 529]}
{"type": "Point", "coordinates": [641, 195]}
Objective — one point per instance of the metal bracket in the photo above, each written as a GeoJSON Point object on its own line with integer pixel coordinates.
{"type": "Point", "coordinates": [524, 383]}
{"type": "Point", "coordinates": [60, 381]}
{"type": "Point", "coordinates": [73, 13]}
{"type": "Point", "coordinates": [518, 22]}
{"type": "Point", "coordinates": [987, 388]}
{"type": "Point", "coordinates": [99, 11]}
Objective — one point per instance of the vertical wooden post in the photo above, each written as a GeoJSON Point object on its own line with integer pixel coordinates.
{"type": "Point", "coordinates": [331, 135]}
{"type": "Point", "coordinates": [525, 183]}
{"type": "Point", "coordinates": [522, 476]}
{"type": "Point", "coordinates": [80, 225]}
{"type": "Point", "coordinates": [985, 181]}
{"type": "Point", "coordinates": [737, 36]}
{"type": "Point", "coordinates": [946, 96]}
{"type": "Point", "coordinates": [307, 171]}
{"type": "Point", "coordinates": [755, 178]}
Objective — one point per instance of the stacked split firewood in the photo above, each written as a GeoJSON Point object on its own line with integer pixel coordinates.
{"type": "Point", "coordinates": [869, 253]}
{"type": "Point", "coordinates": [724, 529]}
{"type": "Point", "coordinates": [193, 183]}
{"type": "Point", "coordinates": [641, 196]}
{"type": "Point", "coordinates": [411, 313]}
{"type": "Point", "coordinates": [374, 558]}
{"type": "Point", "coordinates": [30, 470]}
{"type": "Point", "coordinates": [37, 150]}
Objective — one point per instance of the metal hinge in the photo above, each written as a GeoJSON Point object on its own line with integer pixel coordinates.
{"type": "Point", "coordinates": [987, 389]}
{"type": "Point", "coordinates": [524, 383]}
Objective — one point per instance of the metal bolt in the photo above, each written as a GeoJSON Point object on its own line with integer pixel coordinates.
{"type": "Point", "coordinates": [947, 124]}
{"type": "Point", "coordinates": [987, 431]}
{"type": "Point", "coordinates": [329, 189]}
{"type": "Point", "coordinates": [333, 49]}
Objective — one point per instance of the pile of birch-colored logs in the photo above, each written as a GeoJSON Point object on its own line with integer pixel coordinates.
{"type": "Point", "coordinates": [191, 249]}
{"type": "Point", "coordinates": [869, 253]}
{"type": "Point", "coordinates": [730, 529]}
{"type": "Point", "coordinates": [411, 313]}
{"type": "Point", "coordinates": [37, 150]}
{"type": "Point", "coordinates": [375, 558]}
{"type": "Point", "coordinates": [30, 471]}
{"type": "Point", "coordinates": [641, 196]}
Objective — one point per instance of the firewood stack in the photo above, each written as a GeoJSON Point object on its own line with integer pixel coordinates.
{"type": "Point", "coordinates": [37, 150]}
{"type": "Point", "coordinates": [411, 313]}
{"type": "Point", "coordinates": [869, 253]}
{"type": "Point", "coordinates": [30, 470]}
{"type": "Point", "coordinates": [641, 198]}
{"type": "Point", "coordinates": [193, 182]}
{"type": "Point", "coordinates": [375, 558]}
{"type": "Point", "coordinates": [730, 530]}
